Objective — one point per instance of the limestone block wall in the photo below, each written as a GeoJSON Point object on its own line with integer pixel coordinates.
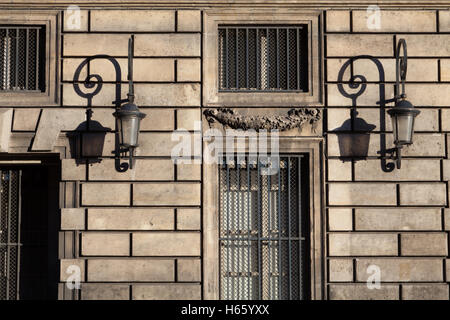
{"type": "Point", "coordinates": [135, 234]}
{"type": "Point", "coordinates": [397, 221]}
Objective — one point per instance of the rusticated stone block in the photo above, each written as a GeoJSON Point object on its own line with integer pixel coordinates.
{"type": "Point", "coordinates": [166, 244]}
{"type": "Point", "coordinates": [82, 44]}
{"type": "Point", "coordinates": [173, 291]}
{"type": "Point", "coordinates": [72, 218]}
{"type": "Point", "coordinates": [394, 21]}
{"type": "Point", "coordinates": [357, 194]}
{"type": "Point", "coordinates": [423, 194]}
{"type": "Point", "coordinates": [170, 194]}
{"type": "Point", "coordinates": [130, 219]}
{"type": "Point", "coordinates": [339, 170]}
{"type": "Point", "coordinates": [349, 45]}
{"type": "Point", "coordinates": [424, 244]}
{"type": "Point", "coordinates": [189, 119]}
{"type": "Point", "coordinates": [340, 219]}
{"type": "Point", "coordinates": [70, 170]}
{"type": "Point", "coordinates": [435, 291]}
{"type": "Point", "coordinates": [362, 292]}
{"type": "Point", "coordinates": [189, 171]}
{"type": "Point", "coordinates": [72, 268]}
{"type": "Point", "coordinates": [189, 20]}
{"type": "Point", "coordinates": [427, 45]}
{"type": "Point", "coordinates": [25, 119]}
{"type": "Point", "coordinates": [168, 95]}
{"type": "Point", "coordinates": [189, 269]}
{"type": "Point", "coordinates": [390, 219]}
{"type": "Point", "coordinates": [105, 244]}
{"type": "Point", "coordinates": [362, 244]}
{"type": "Point", "coordinates": [338, 20]}
{"type": "Point", "coordinates": [130, 270]}
{"type": "Point", "coordinates": [105, 291]}
{"type": "Point", "coordinates": [188, 219]}
{"type": "Point", "coordinates": [188, 70]}
{"type": "Point", "coordinates": [132, 20]}
{"type": "Point", "coordinates": [105, 193]}
{"type": "Point", "coordinates": [76, 20]}
{"type": "Point", "coordinates": [402, 269]}
{"type": "Point", "coordinates": [170, 44]}
{"type": "Point", "coordinates": [340, 270]}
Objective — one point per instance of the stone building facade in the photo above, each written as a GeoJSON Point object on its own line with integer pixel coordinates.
{"type": "Point", "coordinates": [152, 232]}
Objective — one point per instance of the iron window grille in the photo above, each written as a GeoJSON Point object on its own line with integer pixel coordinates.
{"type": "Point", "coordinates": [263, 226]}
{"type": "Point", "coordinates": [263, 58]}
{"type": "Point", "coordinates": [22, 58]}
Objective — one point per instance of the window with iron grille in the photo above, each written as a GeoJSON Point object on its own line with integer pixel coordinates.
{"type": "Point", "coordinates": [263, 230]}
{"type": "Point", "coordinates": [263, 58]}
{"type": "Point", "coordinates": [22, 58]}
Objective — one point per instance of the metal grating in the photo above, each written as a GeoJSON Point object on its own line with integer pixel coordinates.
{"type": "Point", "coordinates": [22, 58]}
{"type": "Point", "coordinates": [263, 58]}
{"type": "Point", "coordinates": [262, 231]}
{"type": "Point", "coordinates": [10, 234]}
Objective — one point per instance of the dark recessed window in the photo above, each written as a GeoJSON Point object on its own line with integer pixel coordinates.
{"type": "Point", "coordinates": [263, 58]}
{"type": "Point", "coordinates": [22, 58]}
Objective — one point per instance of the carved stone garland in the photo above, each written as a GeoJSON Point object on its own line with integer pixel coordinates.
{"type": "Point", "coordinates": [295, 118]}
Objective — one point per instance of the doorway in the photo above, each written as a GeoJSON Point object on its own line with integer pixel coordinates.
{"type": "Point", "coordinates": [29, 223]}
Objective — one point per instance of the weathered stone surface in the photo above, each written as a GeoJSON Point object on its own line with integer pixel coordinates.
{"type": "Point", "coordinates": [168, 95]}
{"type": "Point", "coordinates": [105, 193]}
{"type": "Point", "coordinates": [173, 291]}
{"type": "Point", "coordinates": [189, 171]}
{"type": "Point", "coordinates": [435, 291]}
{"type": "Point", "coordinates": [349, 45]}
{"type": "Point", "coordinates": [70, 170]}
{"type": "Point", "coordinates": [447, 219]}
{"type": "Point", "coordinates": [444, 20]}
{"type": "Point", "coordinates": [401, 269]}
{"type": "Point", "coordinates": [25, 119]}
{"type": "Point", "coordinates": [142, 20]}
{"type": "Point", "coordinates": [338, 21]}
{"type": "Point", "coordinates": [52, 122]}
{"type": "Point", "coordinates": [394, 21]}
{"type": "Point", "coordinates": [189, 119]}
{"type": "Point", "coordinates": [75, 20]}
{"type": "Point", "coordinates": [130, 219]}
{"type": "Point", "coordinates": [424, 244]}
{"type": "Point", "coordinates": [188, 70]}
{"type": "Point", "coordinates": [166, 244]}
{"type": "Point", "coordinates": [82, 44]}
{"type": "Point", "coordinates": [340, 219]}
{"type": "Point", "coordinates": [361, 292]}
{"type": "Point", "coordinates": [362, 194]}
{"type": "Point", "coordinates": [188, 219]}
{"type": "Point", "coordinates": [105, 244]}
{"type": "Point", "coordinates": [437, 94]}
{"type": "Point", "coordinates": [369, 98]}
{"type": "Point", "coordinates": [167, 45]}
{"type": "Point", "coordinates": [104, 291]}
{"type": "Point", "coordinates": [189, 20]}
{"type": "Point", "coordinates": [445, 113]}
{"type": "Point", "coordinates": [104, 98]}
{"type": "Point", "coordinates": [166, 194]}
{"type": "Point", "coordinates": [418, 69]}
{"type": "Point", "coordinates": [130, 270]}
{"type": "Point", "coordinates": [423, 194]}
{"type": "Point", "coordinates": [339, 170]}
{"type": "Point", "coordinates": [189, 269]}
{"type": "Point", "coordinates": [158, 119]}
{"type": "Point", "coordinates": [414, 169]}
{"type": "Point", "coordinates": [362, 244]}
{"type": "Point", "coordinates": [70, 267]}
{"type": "Point", "coordinates": [336, 118]}
{"type": "Point", "coordinates": [340, 270]}
{"type": "Point", "coordinates": [424, 145]}
{"type": "Point", "coordinates": [427, 45]}
{"type": "Point", "coordinates": [72, 218]}
{"type": "Point", "coordinates": [398, 219]}
{"type": "Point", "coordinates": [445, 69]}
{"type": "Point", "coordinates": [143, 169]}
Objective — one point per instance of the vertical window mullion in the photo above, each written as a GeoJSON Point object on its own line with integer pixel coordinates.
{"type": "Point", "coordinates": [300, 231]}
{"type": "Point", "coordinates": [237, 57]}
{"type": "Point", "coordinates": [19, 222]}
{"type": "Point", "coordinates": [279, 231]}
{"type": "Point", "coordinates": [17, 59]}
{"type": "Point", "coordinates": [277, 46]}
{"type": "Point", "coordinates": [227, 84]}
{"type": "Point", "coordinates": [37, 59]}
{"type": "Point", "coordinates": [289, 225]}
{"type": "Point", "coordinates": [298, 59]}
{"type": "Point", "coordinates": [249, 231]}
{"type": "Point", "coordinates": [287, 59]}
{"type": "Point", "coordinates": [26, 58]}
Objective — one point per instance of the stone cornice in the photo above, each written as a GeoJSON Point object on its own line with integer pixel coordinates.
{"type": "Point", "coordinates": [419, 4]}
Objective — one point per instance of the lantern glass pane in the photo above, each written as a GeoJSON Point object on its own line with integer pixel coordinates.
{"type": "Point", "coordinates": [130, 131]}
{"type": "Point", "coordinates": [403, 126]}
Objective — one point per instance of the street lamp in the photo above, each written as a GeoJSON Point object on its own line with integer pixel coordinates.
{"type": "Point", "coordinates": [128, 115]}
{"type": "Point", "coordinates": [404, 113]}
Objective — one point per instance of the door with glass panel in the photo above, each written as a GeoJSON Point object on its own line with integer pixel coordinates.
{"type": "Point", "coordinates": [264, 228]}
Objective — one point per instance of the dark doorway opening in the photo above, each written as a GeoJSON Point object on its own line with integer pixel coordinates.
{"type": "Point", "coordinates": [29, 223]}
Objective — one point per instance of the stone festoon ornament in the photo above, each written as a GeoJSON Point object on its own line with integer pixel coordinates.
{"type": "Point", "coordinates": [295, 118]}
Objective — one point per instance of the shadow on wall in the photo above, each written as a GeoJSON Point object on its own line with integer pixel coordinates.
{"type": "Point", "coordinates": [354, 133]}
